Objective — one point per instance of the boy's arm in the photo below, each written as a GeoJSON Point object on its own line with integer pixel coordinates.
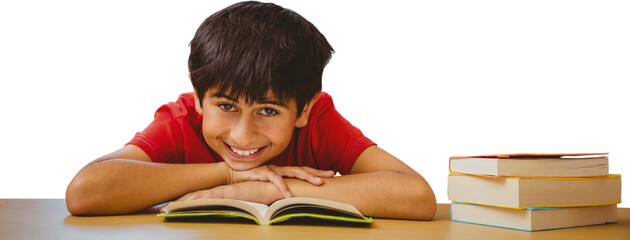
{"type": "Point", "coordinates": [126, 181]}
{"type": "Point", "coordinates": [379, 185]}
{"type": "Point", "coordinates": [379, 192]}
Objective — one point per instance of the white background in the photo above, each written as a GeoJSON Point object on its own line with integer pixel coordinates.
{"type": "Point", "coordinates": [425, 80]}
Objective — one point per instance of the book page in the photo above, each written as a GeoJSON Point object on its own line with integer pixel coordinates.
{"type": "Point", "coordinates": [297, 202]}
{"type": "Point", "coordinates": [257, 210]}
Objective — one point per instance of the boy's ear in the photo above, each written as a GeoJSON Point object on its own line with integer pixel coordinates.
{"type": "Point", "coordinates": [303, 118]}
{"type": "Point", "coordinates": [197, 103]}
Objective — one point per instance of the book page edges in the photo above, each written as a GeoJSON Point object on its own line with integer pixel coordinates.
{"type": "Point", "coordinates": [521, 155]}
{"type": "Point", "coordinates": [533, 155]}
{"type": "Point", "coordinates": [201, 214]}
{"type": "Point", "coordinates": [513, 177]}
{"type": "Point", "coordinates": [315, 202]}
{"type": "Point", "coordinates": [257, 210]}
{"type": "Point", "coordinates": [529, 230]}
{"type": "Point", "coordinates": [538, 207]}
{"type": "Point", "coordinates": [320, 216]}
{"type": "Point", "coordinates": [522, 229]}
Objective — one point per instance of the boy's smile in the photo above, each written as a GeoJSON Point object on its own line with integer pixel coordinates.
{"type": "Point", "coordinates": [248, 135]}
{"type": "Point", "coordinates": [245, 153]}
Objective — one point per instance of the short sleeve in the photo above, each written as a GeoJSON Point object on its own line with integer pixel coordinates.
{"type": "Point", "coordinates": [164, 139]}
{"type": "Point", "coordinates": [336, 143]}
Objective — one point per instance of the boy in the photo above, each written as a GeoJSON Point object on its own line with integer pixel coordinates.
{"type": "Point", "coordinates": [257, 115]}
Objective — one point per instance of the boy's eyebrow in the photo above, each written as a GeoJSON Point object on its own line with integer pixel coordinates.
{"type": "Point", "coordinates": [260, 101]}
{"type": "Point", "coordinates": [270, 101]}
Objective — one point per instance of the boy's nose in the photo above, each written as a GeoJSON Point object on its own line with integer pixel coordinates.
{"type": "Point", "coordinates": [244, 132]}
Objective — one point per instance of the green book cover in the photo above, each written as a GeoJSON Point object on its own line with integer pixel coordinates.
{"type": "Point", "coordinates": [262, 214]}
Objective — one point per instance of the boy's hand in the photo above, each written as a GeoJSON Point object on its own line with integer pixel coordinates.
{"type": "Point", "coordinates": [253, 191]}
{"type": "Point", "coordinates": [274, 174]}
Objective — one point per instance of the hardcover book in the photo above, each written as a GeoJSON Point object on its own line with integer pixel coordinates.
{"type": "Point", "coordinates": [262, 214]}
{"type": "Point", "coordinates": [533, 219]}
{"type": "Point", "coordinates": [532, 165]}
{"type": "Point", "coordinates": [520, 193]}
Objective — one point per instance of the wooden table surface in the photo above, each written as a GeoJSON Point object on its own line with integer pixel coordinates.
{"type": "Point", "coordinates": [49, 219]}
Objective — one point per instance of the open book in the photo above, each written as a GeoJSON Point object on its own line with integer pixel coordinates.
{"type": "Point", "coordinates": [262, 214]}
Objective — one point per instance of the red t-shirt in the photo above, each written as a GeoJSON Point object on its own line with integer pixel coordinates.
{"type": "Point", "coordinates": [327, 142]}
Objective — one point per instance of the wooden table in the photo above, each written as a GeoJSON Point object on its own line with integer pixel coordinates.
{"type": "Point", "coordinates": [49, 219]}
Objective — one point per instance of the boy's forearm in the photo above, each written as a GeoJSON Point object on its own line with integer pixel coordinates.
{"type": "Point", "coordinates": [121, 186]}
{"type": "Point", "coordinates": [377, 194]}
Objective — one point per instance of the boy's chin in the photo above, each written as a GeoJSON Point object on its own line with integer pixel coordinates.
{"type": "Point", "coordinates": [242, 166]}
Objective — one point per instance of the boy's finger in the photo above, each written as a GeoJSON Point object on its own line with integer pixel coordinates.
{"type": "Point", "coordinates": [323, 173]}
{"type": "Point", "coordinates": [297, 172]}
{"type": "Point", "coordinates": [277, 181]}
{"type": "Point", "coordinates": [317, 172]}
{"type": "Point", "coordinates": [185, 197]}
{"type": "Point", "coordinates": [305, 175]}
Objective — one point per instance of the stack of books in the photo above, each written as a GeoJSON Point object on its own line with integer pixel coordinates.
{"type": "Point", "coordinates": [533, 192]}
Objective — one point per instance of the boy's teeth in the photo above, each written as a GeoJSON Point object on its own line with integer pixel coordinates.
{"type": "Point", "coordinates": [244, 153]}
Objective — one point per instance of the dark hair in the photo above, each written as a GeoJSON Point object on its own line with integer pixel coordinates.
{"type": "Point", "coordinates": [251, 49]}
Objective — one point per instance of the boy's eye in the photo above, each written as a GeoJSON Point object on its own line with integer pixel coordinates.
{"type": "Point", "coordinates": [268, 112]}
{"type": "Point", "coordinates": [227, 107]}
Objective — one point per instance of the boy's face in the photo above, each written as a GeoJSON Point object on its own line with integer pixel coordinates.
{"type": "Point", "coordinates": [246, 136]}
